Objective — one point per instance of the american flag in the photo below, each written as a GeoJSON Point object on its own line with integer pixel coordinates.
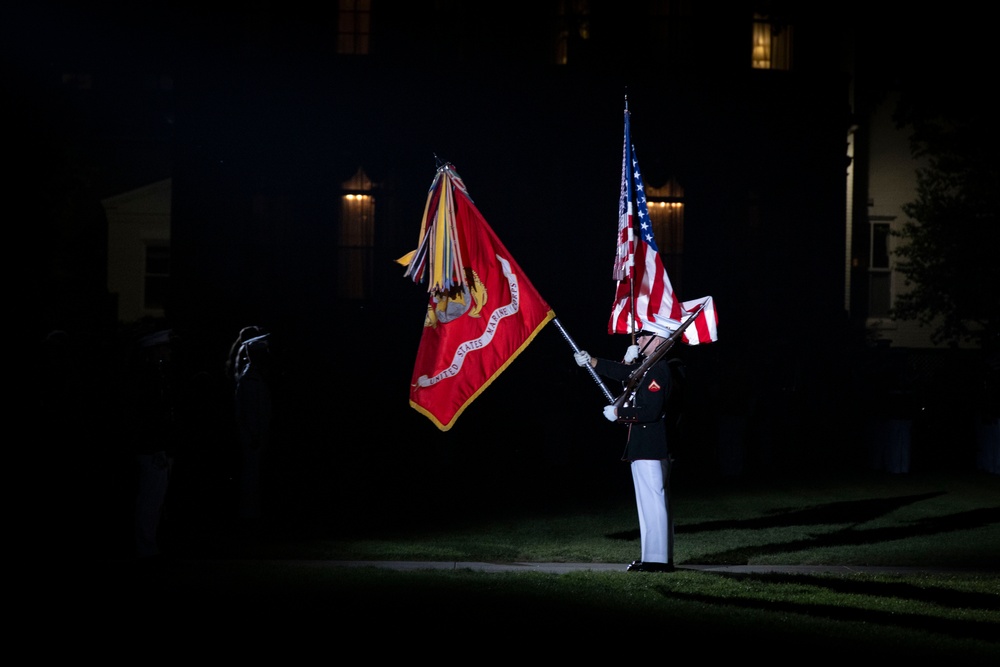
{"type": "Point", "coordinates": [645, 298]}
{"type": "Point", "coordinates": [625, 255]}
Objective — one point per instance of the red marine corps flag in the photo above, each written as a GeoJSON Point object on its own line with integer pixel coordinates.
{"type": "Point", "coordinates": [483, 311]}
{"type": "Point", "coordinates": [645, 298]}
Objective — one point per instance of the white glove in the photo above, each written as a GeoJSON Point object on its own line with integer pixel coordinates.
{"type": "Point", "coordinates": [582, 358]}
{"type": "Point", "coordinates": [631, 353]}
{"type": "Point", "coordinates": [610, 413]}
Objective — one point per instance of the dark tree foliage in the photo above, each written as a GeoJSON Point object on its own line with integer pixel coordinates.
{"type": "Point", "coordinates": [952, 237]}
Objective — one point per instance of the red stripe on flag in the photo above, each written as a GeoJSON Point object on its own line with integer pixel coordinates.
{"type": "Point", "coordinates": [645, 298]}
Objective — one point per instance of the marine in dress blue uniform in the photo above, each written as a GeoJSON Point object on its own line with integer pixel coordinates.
{"type": "Point", "coordinates": [647, 450]}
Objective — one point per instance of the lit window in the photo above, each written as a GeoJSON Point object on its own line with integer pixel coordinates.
{"type": "Point", "coordinates": [879, 271]}
{"type": "Point", "coordinates": [356, 238]}
{"type": "Point", "coordinates": [573, 28]}
{"type": "Point", "coordinates": [156, 277]}
{"type": "Point", "coordinates": [666, 212]}
{"type": "Point", "coordinates": [354, 27]}
{"type": "Point", "coordinates": [771, 44]}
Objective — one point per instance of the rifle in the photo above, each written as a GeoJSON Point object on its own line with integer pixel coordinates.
{"type": "Point", "coordinates": [653, 357]}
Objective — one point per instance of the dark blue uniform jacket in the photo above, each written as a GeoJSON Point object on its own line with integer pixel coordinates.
{"type": "Point", "coordinates": [647, 435]}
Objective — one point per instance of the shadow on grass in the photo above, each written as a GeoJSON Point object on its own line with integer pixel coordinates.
{"type": "Point", "coordinates": [846, 512]}
{"type": "Point", "coordinates": [852, 537]}
{"type": "Point", "coordinates": [940, 596]}
{"type": "Point", "coordinates": [958, 629]}
{"type": "Point", "coordinates": [849, 511]}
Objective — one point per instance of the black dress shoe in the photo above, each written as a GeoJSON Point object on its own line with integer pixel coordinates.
{"type": "Point", "coordinates": [639, 566]}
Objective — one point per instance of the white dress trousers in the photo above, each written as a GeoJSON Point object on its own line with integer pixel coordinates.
{"type": "Point", "coordinates": [651, 479]}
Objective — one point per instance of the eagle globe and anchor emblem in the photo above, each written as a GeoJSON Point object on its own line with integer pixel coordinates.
{"type": "Point", "coordinates": [464, 299]}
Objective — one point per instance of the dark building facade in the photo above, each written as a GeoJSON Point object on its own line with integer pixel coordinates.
{"type": "Point", "coordinates": [279, 117]}
{"type": "Point", "coordinates": [301, 144]}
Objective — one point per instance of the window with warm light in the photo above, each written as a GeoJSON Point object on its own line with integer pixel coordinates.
{"type": "Point", "coordinates": [354, 27]}
{"type": "Point", "coordinates": [356, 238]}
{"type": "Point", "coordinates": [666, 213]}
{"type": "Point", "coordinates": [771, 44]}
{"type": "Point", "coordinates": [573, 27]}
{"type": "Point", "coordinates": [879, 271]}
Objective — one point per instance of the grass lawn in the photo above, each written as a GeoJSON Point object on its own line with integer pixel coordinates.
{"type": "Point", "coordinates": [281, 590]}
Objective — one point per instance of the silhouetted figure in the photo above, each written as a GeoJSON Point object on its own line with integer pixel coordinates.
{"type": "Point", "coordinates": [251, 364]}
{"type": "Point", "coordinates": [153, 430]}
{"type": "Point", "coordinates": [237, 351]}
{"type": "Point", "coordinates": [205, 456]}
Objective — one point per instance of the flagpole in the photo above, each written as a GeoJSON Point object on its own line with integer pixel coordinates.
{"type": "Point", "coordinates": [631, 281]}
{"type": "Point", "coordinates": [593, 373]}
{"type": "Point", "coordinates": [631, 218]}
